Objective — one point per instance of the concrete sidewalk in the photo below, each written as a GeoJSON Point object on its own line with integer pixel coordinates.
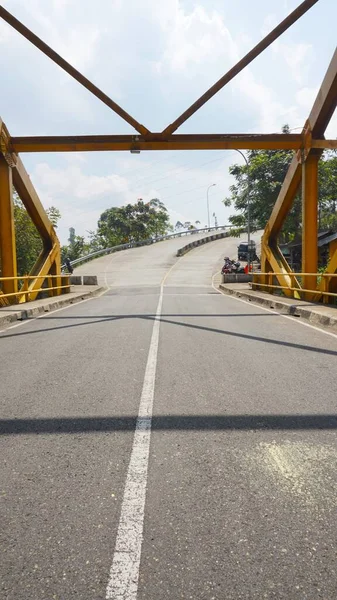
{"type": "Point", "coordinates": [317, 314]}
{"type": "Point", "coordinates": [20, 312]}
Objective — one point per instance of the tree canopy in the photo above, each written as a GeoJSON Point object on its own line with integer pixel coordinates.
{"type": "Point", "coordinates": [263, 178]}
{"type": "Point", "coordinates": [116, 225]}
{"type": "Point", "coordinates": [133, 223]}
{"type": "Point", "coordinates": [28, 240]}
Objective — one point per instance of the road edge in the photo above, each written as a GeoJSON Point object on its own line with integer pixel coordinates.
{"type": "Point", "coordinates": [48, 306]}
{"type": "Point", "coordinates": [210, 238]}
{"type": "Point", "coordinates": [293, 310]}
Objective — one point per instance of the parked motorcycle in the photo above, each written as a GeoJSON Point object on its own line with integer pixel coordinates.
{"type": "Point", "coordinates": [231, 266]}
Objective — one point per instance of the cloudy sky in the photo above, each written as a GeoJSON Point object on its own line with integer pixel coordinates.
{"type": "Point", "coordinates": [155, 57]}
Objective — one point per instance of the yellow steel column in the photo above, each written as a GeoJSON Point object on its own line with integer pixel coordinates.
{"type": "Point", "coordinates": [333, 254]}
{"type": "Point", "coordinates": [7, 230]}
{"type": "Point", "coordinates": [310, 220]}
{"type": "Point", "coordinates": [57, 281]}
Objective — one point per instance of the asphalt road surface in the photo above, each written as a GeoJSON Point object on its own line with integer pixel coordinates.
{"type": "Point", "coordinates": [164, 441]}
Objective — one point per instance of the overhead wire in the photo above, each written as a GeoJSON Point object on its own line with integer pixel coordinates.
{"type": "Point", "coordinates": [180, 170]}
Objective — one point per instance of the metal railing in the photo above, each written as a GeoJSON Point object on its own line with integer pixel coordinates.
{"type": "Point", "coordinates": [271, 286]}
{"type": "Point", "coordinates": [161, 238]}
{"type": "Point", "coordinates": [23, 295]}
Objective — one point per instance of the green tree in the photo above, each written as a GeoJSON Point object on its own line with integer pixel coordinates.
{"type": "Point", "coordinates": [77, 246]}
{"type": "Point", "coordinates": [133, 223]}
{"type": "Point", "coordinates": [54, 215]}
{"type": "Point", "coordinates": [262, 178]}
{"type": "Point", "coordinates": [95, 241]}
{"type": "Point", "coordinates": [327, 182]}
{"type": "Point", "coordinates": [28, 240]}
{"type": "Point", "coordinates": [265, 173]}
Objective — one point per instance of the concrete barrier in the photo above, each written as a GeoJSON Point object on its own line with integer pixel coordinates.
{"type": "Point", "coordinates": [75, 280]}
{"type": "Point", "coordinates": [206, 240]}
{"type": "Point", "coordinates": [236, 278]}
{"type": "Point", "coordinates": [90, 280]}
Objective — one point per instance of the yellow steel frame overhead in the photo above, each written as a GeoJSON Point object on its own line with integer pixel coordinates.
{"type": "Point", "coordinates": [12, 172]}
{"type": "Point", "coordinates": [308, 145]}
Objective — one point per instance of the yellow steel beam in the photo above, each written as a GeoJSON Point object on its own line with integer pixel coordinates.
{"type": "Point", "coordinates": [324, 144]}
{"type": "Point", "coordinates": [320, 115]}
{"type": "Point", "coordinates": [34, 39]}
{"type": "Point", "coordinates": [326, 285]}
{"type": "Point", "coordinates": [309, 220]}
{"type": "Point", "coordinates": [49, 260]}
{"type": "Point", "coordinates": [56, 269]}
{"type": "Point", "coordinates": [312, 147]}
{"type": "Point", "coordinates": [272, 260]}
{"type": "Point", "coordinates": [285, 199]}
{"type": "Point", "coordinates": [246, 60]}
{"type": "Point", "coordinates": [7, 229]}
{"type": "Point", "coordinates": [47, 263]}
{"type": "Point", "coordinates": [30, 199]}
{"type": "Point", "coordinates": [153, 142]}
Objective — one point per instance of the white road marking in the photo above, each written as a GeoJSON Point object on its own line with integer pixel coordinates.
{"type": "Point", "coordinates": [274, 312]}
{"type": "Point", "coordinates": [124, 572]}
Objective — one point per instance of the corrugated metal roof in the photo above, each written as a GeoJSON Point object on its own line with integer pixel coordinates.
{"type": "Point", "coordinates": [327, 240]}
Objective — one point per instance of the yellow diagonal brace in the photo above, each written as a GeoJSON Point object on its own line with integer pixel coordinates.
{"type": "Point", "coordinates": [43, 266]}
{"type": "Point", "coordinates": [7, 229]}
{"type": "Point", "coordinates": [278, 264]}
{"type": "Point", "coordinates": [31, 201]}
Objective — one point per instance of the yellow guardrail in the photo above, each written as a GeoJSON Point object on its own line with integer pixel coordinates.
{"type": "Point", "coordinates": [23, 295]}
{"type": "Point", "coordinates": [269, 277]}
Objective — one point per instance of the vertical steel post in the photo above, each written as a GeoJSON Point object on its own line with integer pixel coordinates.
{"type": "Point", "coordinates": [332, 282]}
{"type": "Point", "coordinates": [309, 220]}
{"type": "Point", "coordinates": [7, 229]}
{"type": "Point", "coordinates": [57, 281]}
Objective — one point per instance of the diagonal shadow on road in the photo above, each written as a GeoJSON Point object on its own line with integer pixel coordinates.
{"type": "Point", "coordinates": [73, 425]}
{"type": "Point", "coordinates": [163, 319]}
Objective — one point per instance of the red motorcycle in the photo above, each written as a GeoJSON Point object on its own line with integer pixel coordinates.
{"type": "Point", "coordinates": [231, 266]}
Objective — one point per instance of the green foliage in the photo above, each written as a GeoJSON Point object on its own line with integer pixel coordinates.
{"type": "Point", "coordinates": [76, 248]}
{"type": "Point", "coordinates": [54, 215]}
{"type": "Point", "coordinates": [327, 182]}
{"type": "Point", "coordinates": [263, 179]}
{"type": "Point", "coordinates": [236, 231]}
{"type": "Point", "coordinates": [28, 240]}
{"type": "Point", "coordinates": [133, 223]}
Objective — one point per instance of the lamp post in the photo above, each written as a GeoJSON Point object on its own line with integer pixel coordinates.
{"type": "Point", "coordinates": [248, 205]}
{"type": "Point", "coordinates": [209, 223]}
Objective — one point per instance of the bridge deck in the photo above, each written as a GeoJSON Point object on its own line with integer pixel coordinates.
{"type": "Point", "coordinates": [241, 472]}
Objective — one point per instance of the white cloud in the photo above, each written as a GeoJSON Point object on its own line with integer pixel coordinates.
{"type": "Point", "coordinates": [306, 96]}
{"type": "Point", "coordinates": [6, 33]}
{"type": "Point", "coordinates": [195, 38]}
{"type": "Point", "coordinates": [331, 130]}
{"type": "Point", "coordinates": [154, 58]}
{"type": "Point", "coordinates": [296, 55]}
{"type": "Point", "coordinates": [297, 58]}
{"type": "Point", "coordinates": [80, 197]}
{"type": "Point", "coordinates": [73, 181]}
{"type": "Point", "coordinates": [271, 112]}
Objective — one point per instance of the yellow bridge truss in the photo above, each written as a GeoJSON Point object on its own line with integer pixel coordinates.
{"type": "Point", "coordinates": [303, 170]}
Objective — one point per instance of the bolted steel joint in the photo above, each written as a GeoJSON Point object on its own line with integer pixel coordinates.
{"type": "Point", "coordinates": [6, 147]}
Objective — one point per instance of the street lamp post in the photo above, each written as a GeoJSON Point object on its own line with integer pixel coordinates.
{"type": "Point", "coordinates": [209, 222]}
{"type": "Point", "coordinates": [248, 204]}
